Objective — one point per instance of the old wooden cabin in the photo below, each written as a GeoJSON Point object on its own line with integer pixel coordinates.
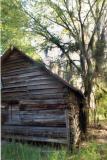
{"type": "Point", "coordinates": [37, 105]}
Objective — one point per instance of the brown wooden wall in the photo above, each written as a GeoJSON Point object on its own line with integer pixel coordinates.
{"type": "Point", "coordinates": [37, 105]}
{"type": "Point", "coordinates": [38, 125]}
{"type": "Point", "coordinates": [25, 81]}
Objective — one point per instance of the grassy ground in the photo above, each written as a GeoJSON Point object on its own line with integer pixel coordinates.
{"type": "Point", "coordinates": [18, 151]}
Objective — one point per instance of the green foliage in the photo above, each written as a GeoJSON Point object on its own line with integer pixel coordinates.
{"type": "Point", "coordinates": [100, 53]}
{"type": "Point", "coordinates": [17, 151]}
{"type": "Point", "coordinates": [15, 27]}
{"type": "Point", "coordinates": [12, 23]}
{"type": "Point", "coordinates": [92, 152]}
{"type": "Point", "coordinates": [102, 106]}
{"type": "Point", "coordinates": [101, 99]}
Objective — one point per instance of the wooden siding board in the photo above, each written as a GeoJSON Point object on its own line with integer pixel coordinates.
{"type": "Point", "coordinates": [68, 129]}
{"type": "Point", "coordinates": [37, 139]}
{"type": "Point", "coordinates": [54, 132]}
{"type": "Point", "coordinates": [20, 70]}
{"type": "Point", "coordinates": [49, 124]}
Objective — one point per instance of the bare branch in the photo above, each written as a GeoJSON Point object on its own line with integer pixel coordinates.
{"type": "Point", "coordinates": [72, 62]}
{"type": "Point", "coordinates": [82, 28]}
{"type": "Point", "coordinates": [97, 21]}
{"type": "Point", "coordinates": [66, 26]}
{"type": "Point", "coordinates": [89, 11]}
{"type": "Point", "coordinates": [59, 11]}
{"type": "Point", "coordinates": [69, 13]}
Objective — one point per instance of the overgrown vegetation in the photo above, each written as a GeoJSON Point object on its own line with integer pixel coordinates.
{"type": "Point", "coordinates": [99, 113]}
{"type": "Point", "coordinates": [102, 105]}
{"type": "Point", "coordinates": [18, 151]}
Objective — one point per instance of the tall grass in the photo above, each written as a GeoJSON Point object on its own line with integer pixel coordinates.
{"type": "Point", "coordinates": [18, 151]}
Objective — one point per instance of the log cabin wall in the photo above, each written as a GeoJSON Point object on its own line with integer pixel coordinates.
{"type": "Point", "coordinates": [74, 123]}
{"type": "Point", "coordinates": [25, 81]}
{"type": "Point", "coordinates": [38, 106]}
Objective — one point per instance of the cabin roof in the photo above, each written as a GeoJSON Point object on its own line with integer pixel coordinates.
{"type": "Point", "coordinates": [11, 50]}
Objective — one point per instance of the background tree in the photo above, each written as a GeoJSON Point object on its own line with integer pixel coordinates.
{"type": "Point", "coordinates": [82, 24]}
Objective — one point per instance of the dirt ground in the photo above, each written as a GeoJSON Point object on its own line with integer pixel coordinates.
{"type": "Point", "coordinates": [98, 133]}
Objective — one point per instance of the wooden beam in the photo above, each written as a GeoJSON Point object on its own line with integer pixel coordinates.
{"type": "Point", "coordinates": [37, 139]}
{"type": "Point", "coordinates": [68, 129]}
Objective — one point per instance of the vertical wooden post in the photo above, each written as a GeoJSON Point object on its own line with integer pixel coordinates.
{"type": "Point", "coordinates": [11, 110]}
{"type": "Point", "coordinates": [68, 129]}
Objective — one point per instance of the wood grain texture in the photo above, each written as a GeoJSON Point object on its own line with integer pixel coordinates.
{"type": "Point", "coordinates": [30, 83]}
{"type": "Point", "coordinates": [37, 139]}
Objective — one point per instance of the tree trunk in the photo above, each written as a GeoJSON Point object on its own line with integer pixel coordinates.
{"type": "Point", "coordinates": [90, 99]}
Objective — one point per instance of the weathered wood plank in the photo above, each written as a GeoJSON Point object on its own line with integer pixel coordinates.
{"type": "Point", "coordinates": [48, 86]}
{"type": "Point", "coordinates": [24, 64]}
{"type": "Point", "coordinates": [35, 85]}
{"type": "Point", "coordinates": [37, 139]}
{"type": "Point", "coordinates": [38, 97]}
{"type": "Point", "coordinates": [14, 61]}
{"type": "Point", "coordinates": [31, 74]}
{"type": "Point", "coordinates": [17, 89]}
{"type": "Point", "coordinates": [48, 96]}
{"type": "Point", "coordinates": [14, 90]}
{"type": "Point", "coordinates": [35, 91]}
{"type": "Point", "coordinates": [23, 83]}
{"type": "Point", "coordinates": [9, 96]}
{"type": "Point", "coordinates": [68, 129]}
{"type": "Point", "coordinates": [20, 71]}
{"type": "Point", "coordinates": [38, 123]}
{"type": "Point", "coordinates": [34, 128]}
{"type": "Point", "coordinates": [54, 132]}
{"type": "Point", "coordinates": [15, 80]}
{"type": "Point", "coordinates": [39, 117]}
{"type": "Point", "coordinates": [48, 111]}
{"type": "Point", "coordinates": [38, 102]}
{"type": "Point", "coordinates": [48, 101]}
{"type": "Point", "coordinates": [36, 118]}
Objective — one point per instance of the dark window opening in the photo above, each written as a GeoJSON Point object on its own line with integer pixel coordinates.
{"type": "Point", "coordinates": [22, 108]}
{"type": "Point", "coordinates": [4, 113]}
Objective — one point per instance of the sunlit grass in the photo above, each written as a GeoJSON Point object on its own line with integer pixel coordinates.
{"type": "Point", "coordinates": [18, 151]}
{"type": "Point", "coordinates": [92, 151]}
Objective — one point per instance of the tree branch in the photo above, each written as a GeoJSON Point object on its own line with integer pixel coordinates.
{"type": "Point", "coordinates": [97, 21]}
{"type": "Point", "coordinates": [69, 13]}
{"type": "Point", "coordinates": [73, 63]}
{"type": "Point", "coordinates": [89, 11]}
